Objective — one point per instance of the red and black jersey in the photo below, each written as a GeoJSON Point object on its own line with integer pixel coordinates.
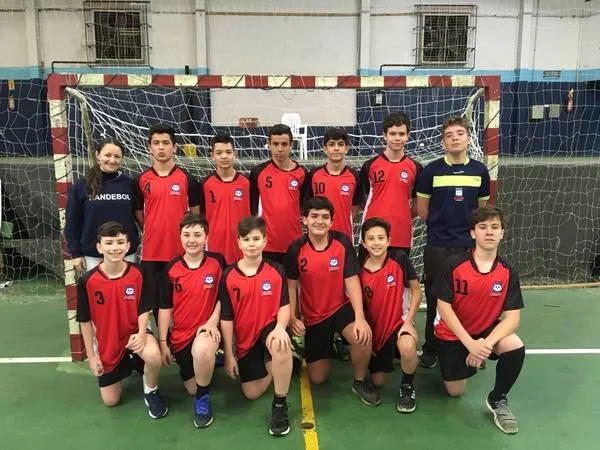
{"type": "Point", "coordinates": [388, 188]}
{"type": "Point", "coordinates": [386, 295]}
{"type": "Point", "coordinates": [164, 200]}
{"type": "Point", "coordinates": [192, 293]}
{"type": "Point", "coordinates": [252, 302]}
{"type": "Point", "coordinates": [343, 193]}
{"type": "Point", "coordinates": [277, 195]}
{"type": "Point", "coordinates": [321, 275]}
{"type": "Point", "coordinates": [113, 306]}
{"type": "Point", "coordinates": [478, 299]}
{"type": "Point", "coordinates": [224, 204]}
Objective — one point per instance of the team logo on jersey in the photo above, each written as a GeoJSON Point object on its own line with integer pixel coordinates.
{"type": "Point", "coordinates": [130, 292]}
{"type": "Point", "coordinates": [458, 194]}
{"type": "Point", "coordinates": [267, 289]}
{"type": "Point", "coordinates": [345, 189]}
{"type": "Point", "coordinates": [237, 194]}
{"type": "Point", "coordinates": [334, 264]}
{"type": "Point", "coordinates": [391, 281]}
{"type": "Point", "coordinates": [294, 184]}
{"type": "Point", "coordinates": [496, 289]}
{"type": "Point", "coordinates": [209, 281]}
{"type": "Point", "coordinates": [175, 189]}
{"type": "Point", "coordinates": [404, 176]}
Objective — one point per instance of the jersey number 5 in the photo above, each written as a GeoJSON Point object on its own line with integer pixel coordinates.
{"type": "Point", "coordinates": [269, 182]}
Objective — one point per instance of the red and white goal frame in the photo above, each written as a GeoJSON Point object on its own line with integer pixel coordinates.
{"type": "Point", "coordinates": [60, 135]}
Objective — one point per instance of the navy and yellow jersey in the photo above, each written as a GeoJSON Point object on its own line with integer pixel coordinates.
{"type": "Point", "coordinates": [454, 191]}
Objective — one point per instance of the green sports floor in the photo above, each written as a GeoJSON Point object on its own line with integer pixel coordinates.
{"type": "Point", "coordinates": [57, 405]}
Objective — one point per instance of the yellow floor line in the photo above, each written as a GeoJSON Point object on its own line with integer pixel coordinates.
{"type": "Point", "coordinates": [311, 441]}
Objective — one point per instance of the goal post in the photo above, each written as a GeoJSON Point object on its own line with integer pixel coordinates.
{"type": "Point", "coordinates": [112, 106]}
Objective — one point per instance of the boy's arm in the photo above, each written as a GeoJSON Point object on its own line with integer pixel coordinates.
{"type": "Point", "coordinates": [507, 326]}
{"type": "Point", "coordinates": [415, 300]}
{"type": "Point", "coordinates": [479, 348]}
{"type": "Point", "coordinates": [423, 207]}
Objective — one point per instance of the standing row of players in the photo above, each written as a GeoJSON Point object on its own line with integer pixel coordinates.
{"type": "Point", "coordinates": [448, 189]}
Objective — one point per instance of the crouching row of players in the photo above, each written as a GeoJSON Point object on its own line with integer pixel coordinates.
{"type": "Point", "coordinates": [252, 304]}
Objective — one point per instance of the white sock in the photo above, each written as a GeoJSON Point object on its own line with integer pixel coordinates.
{"type": "Point", "coordinates": [147, 389]}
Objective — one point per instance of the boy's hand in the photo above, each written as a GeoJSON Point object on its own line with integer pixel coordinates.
{"type": "Point", "coordinates": [297, 326]}
{"type": "Point", "coordinates": [137, 342]}
{"type": "Point", "coordinates": [211, 330]}
{"type": "Point", "coordinates": [279, 340]}
{"type": "Point", "coordinates": [362, 332]}
{"type": "Point", "coordinates": [231, 367]}
{"type": "Point", "coordinates": [95, 365]}
{"type": "Point", "coordinates": [165, 353]}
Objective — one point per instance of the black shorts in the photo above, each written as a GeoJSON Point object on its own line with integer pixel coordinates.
{"type": "Point", "coordinates": [130, 362]}
{"type": "Point", "coordinates": [252, 365]}
{"type": "Point", "coordinates": [185, 361]}
{"type": "Point", "coordinates": [452, 356]}
{"type": "Point", "coordinates": [277, 257]}
{"type": "Point", "coordinates": [383, 360]}
{"type": "Point", "coordinates": [318, 341]}
{"type": "Point", "coordinates": [154, 280]}
{"type": "Point", "coordinates": [362, 252]}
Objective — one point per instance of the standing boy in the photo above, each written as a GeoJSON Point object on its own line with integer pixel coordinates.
{"type": "Point", "coordinates": [224, 199]}
{"type": "Point", "coordinates": [387, 183]}
{"type": "Point", "coordinates": [162, 195]}
{"type": "Point", "coordinates": [277, 188]}
{"type": "Point", "coordinates": [449, 189]}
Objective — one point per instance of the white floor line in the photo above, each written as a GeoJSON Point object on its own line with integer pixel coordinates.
{"type": "Point", "coordinates": [56, 359]}
{"type": "Point", "coordinates": [529, 351]}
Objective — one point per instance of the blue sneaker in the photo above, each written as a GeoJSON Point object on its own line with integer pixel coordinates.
{"type": "Point", "coordinates": [155, 402]}
{"type": "Point", "coordinates": [203, 415]}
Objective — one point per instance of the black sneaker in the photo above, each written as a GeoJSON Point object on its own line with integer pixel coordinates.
{"type": "Point", "coordinates": [155, 402]}
{"type": "Point", "coordinates": [428, 360]}
{"type": "Point", "coordinates": [280, 424]}
{"type": "Point", "coordinates": [406, 399]}
{"type": "Point", "coordinates": [367, 392]}
{"type": "Point", "coordinates": [503, 416]}
{"type": "Point", "coordinates": [340, 350]}
{"type": "Point", "coordinates": [203, 415]}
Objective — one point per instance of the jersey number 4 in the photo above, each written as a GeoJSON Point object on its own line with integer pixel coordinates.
{"type": "Point", "coordinates": [461, 287]}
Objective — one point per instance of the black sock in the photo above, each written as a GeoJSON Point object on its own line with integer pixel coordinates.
{"type": "Point", "coordinates": [507, 371]}
{"type": "Point", "coordinates": [279, 400]}
{"type": "Point", "coordinates": [407, 378]}
{"type": "Point", "coordinates": [358, 381]}
{"type": "Point", "coordinates": [201, 391]}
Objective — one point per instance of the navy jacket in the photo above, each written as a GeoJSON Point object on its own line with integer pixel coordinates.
{"type": "Point", "coordinates": [84, 215]}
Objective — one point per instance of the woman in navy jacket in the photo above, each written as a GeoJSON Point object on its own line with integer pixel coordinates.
{"type": "Point", "coordinates": [104, 194]}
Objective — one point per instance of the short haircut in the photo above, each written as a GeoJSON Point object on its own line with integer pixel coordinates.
{"type": "Point", "coordinates": [318, 202]}
{"type": "Point", "coordinates": [456, 120]}
{"type": "Point", "coordinates": [484, 213]}
{"type": "Point", "coordinates": [190, 219]}
{"type": "Point", "coordinates": [251, 223]}
{"type": "Point", "coordinates": [372, 223]}
{"type": "Point", "coordinates": [161, 128]}
{"type": "Point", "coordinates": [335, 134]}
{"type": "Point", "coordinates": [221, 138]}
{"type": "Point", "coordinates": [280, 128]}
{"type": "Point", "coordinates": [111, 229]}
{"type": "Point", "coordinates": [396, 119]}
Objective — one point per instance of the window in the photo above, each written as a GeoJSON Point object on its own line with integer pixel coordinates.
{"type": "Point", "coordinates": [446, 35]}
{"type": "Point", "coordinates": [117, 32]}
